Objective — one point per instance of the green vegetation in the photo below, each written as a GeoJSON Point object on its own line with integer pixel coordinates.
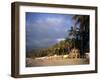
{"type": "Point", "coordinates": [61, 48]}
{"type": "Point", "coordinates": [83, 21]}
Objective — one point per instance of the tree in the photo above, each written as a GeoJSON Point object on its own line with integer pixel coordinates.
{"type": "Point", "coordinates": [74, 35]}
{"type": "Point", "coordinates": [83, 22]}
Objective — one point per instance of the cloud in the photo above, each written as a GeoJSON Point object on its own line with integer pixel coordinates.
{"type": "Point", "coordinates": [47, 28]}
{"type": "Point", "coordinates": [55, 21]}
{"type": "Point", "coordinates": [48, 22]}
{"type": "Point", "coordinates": [60, 39]}
{"type": "Point", "coordinates": [43, 30]}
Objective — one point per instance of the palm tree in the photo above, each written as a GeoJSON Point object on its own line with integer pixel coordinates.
{"type": "Point", "coordinates": [69, 44]}
{"type": "Point", "coordinates": [83, 22]}
{"type": "Point", "coordinates": [73, 35]}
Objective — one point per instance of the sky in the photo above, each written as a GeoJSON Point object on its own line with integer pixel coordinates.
{"type": "Point", "coordinates": [46, 29]}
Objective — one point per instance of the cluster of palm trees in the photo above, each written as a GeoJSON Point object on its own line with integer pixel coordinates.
{"type": "Point", "coordinates": [80, 35]}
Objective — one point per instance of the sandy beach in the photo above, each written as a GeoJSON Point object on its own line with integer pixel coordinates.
{"type": "Point", "coordinates": [55, 62]}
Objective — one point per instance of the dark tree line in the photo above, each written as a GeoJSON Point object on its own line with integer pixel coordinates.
{"type": "Point", "coordinates": [80, 35]}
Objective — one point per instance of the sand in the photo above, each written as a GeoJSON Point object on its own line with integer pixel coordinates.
{"type": "Point", "coordinates": [55, 62]}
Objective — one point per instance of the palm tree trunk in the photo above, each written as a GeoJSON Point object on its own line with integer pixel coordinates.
{"type": "Point", "coordinates": [82, 53]}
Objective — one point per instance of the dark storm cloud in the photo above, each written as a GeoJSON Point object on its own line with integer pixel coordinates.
{"type": "Point", "coordinates": [43, 30]}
